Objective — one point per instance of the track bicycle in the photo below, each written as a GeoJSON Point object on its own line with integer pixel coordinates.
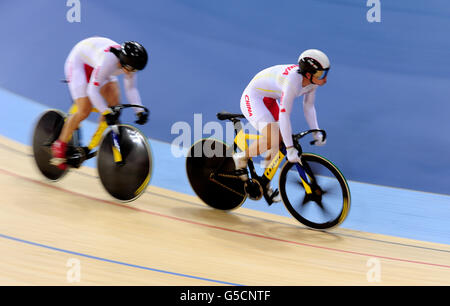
{"type": "Point", "coordinates": [124, 157]}
{"type": "Point", "coordinates": [314, 191]}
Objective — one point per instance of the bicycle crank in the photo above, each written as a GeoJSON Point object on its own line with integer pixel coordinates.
{"type": "Point", "coordinates": [253, 189]}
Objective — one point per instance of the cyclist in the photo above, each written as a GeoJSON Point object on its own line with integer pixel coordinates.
{"type": "Point", "coordinates": [91, 71]}
{"type": "Point", "coordinates": [259, 105]}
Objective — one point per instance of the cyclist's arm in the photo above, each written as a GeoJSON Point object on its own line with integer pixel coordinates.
{"type": "Point", "coordinates": [286, 103]}
{"type": "Point", "coordinates": [309, 110]}
{"type": "Point", "coordinates": [99, 76]}
{"type": "Point", "coordinates": [131, 90]}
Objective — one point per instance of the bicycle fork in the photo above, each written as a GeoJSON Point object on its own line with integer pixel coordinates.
{"type": "Point", "coordinates": [304, 178]}
{"type": "Point", "coordinates": [116, 146]}
{"type": "Point", "coordinates": [117, 155]}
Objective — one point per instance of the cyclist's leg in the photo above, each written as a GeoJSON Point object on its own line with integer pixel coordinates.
{"type": "Point", "coordinates": [84, 108]}
{"type": "Point", "coordinates": [273, 141]}
{"type": "Point", "coordinates": [273, 134]}
{"type": "Point", "coordinates": [269, 141]}
{"type": "Point", "coordinates": [254, 108]}
{"type": "Point", "coordinates": [76, 76]}
{"type": "Point", "coordinates": [111, 93]}
{"type": "Point", "coordinates": [262, 113]}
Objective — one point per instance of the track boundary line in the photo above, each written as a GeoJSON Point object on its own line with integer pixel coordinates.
{"type": "Point", "coordinates": [115, 261]}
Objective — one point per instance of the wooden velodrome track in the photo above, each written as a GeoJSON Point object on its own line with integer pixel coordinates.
{"type": "Point", "coordinates": [168, 238]}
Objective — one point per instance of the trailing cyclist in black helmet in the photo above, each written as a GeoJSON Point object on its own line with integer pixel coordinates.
{"type": "Point", "coordinates": [91, 71]}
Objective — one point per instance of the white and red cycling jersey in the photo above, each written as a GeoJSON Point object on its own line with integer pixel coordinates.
{"type": "Point", "coordinates": [90, 65]}
{"type": "Point", "coordinates": [280, 83]}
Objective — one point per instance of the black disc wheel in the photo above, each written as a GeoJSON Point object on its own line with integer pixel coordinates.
{"type": "Point", "coordinates": [209, 168]}
{"type": "Point", "coordinates": [128, 179]}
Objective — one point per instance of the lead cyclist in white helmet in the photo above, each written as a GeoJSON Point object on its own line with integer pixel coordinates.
{"type": "Point", "coordinates": [267, 104]}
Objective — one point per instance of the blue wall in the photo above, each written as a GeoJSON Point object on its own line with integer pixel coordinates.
{"type": "Point", "coordinates": [385, 106]}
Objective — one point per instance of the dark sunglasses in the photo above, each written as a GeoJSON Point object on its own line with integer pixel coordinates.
{"type": "Point", "coordinates": [321, 74]}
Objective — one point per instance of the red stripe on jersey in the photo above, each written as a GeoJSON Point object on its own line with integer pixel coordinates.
{"type": "Point", "coordinates": [88, 71]}
{"type": "Point", "coordinates": [272, 106]}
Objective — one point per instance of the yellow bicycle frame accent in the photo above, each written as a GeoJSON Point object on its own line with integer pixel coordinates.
{"type": "Point", "coordinates": [273, 165]}
{"type": "Point", "coordinates": [74, 108]}
{"type": "Point", "coordinates": [241, 139]}
{"type": "Point", "coordinates": [95, 140]}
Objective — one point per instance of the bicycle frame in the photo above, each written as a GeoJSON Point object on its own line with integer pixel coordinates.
{"type": "Point", "coordinates": [310, 168]}
{"type": "Point", "coordinates": [96, 138]}
{"type": "Point", "coordinates": [240, 141]}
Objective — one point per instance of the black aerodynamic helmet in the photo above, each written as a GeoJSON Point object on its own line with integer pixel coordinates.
{"type": "Point", "coordinates": [132, 56]}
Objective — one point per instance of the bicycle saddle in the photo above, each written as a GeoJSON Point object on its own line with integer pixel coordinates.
{"type": "Point", "coordinates": [228, 116]}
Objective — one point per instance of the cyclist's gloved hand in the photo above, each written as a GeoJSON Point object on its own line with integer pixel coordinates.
{"type": "Point", "coordinates": [142, 118]}
{"type": "Point", "coordinates": [112, 116]}
{"type": "Point", "coordinates": [318, 137]}
{"type": "Point", "coordinates": [292, 155]}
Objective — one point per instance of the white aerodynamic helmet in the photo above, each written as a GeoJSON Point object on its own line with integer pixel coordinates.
{"type": "Point", "coordinates": [315, 62]}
